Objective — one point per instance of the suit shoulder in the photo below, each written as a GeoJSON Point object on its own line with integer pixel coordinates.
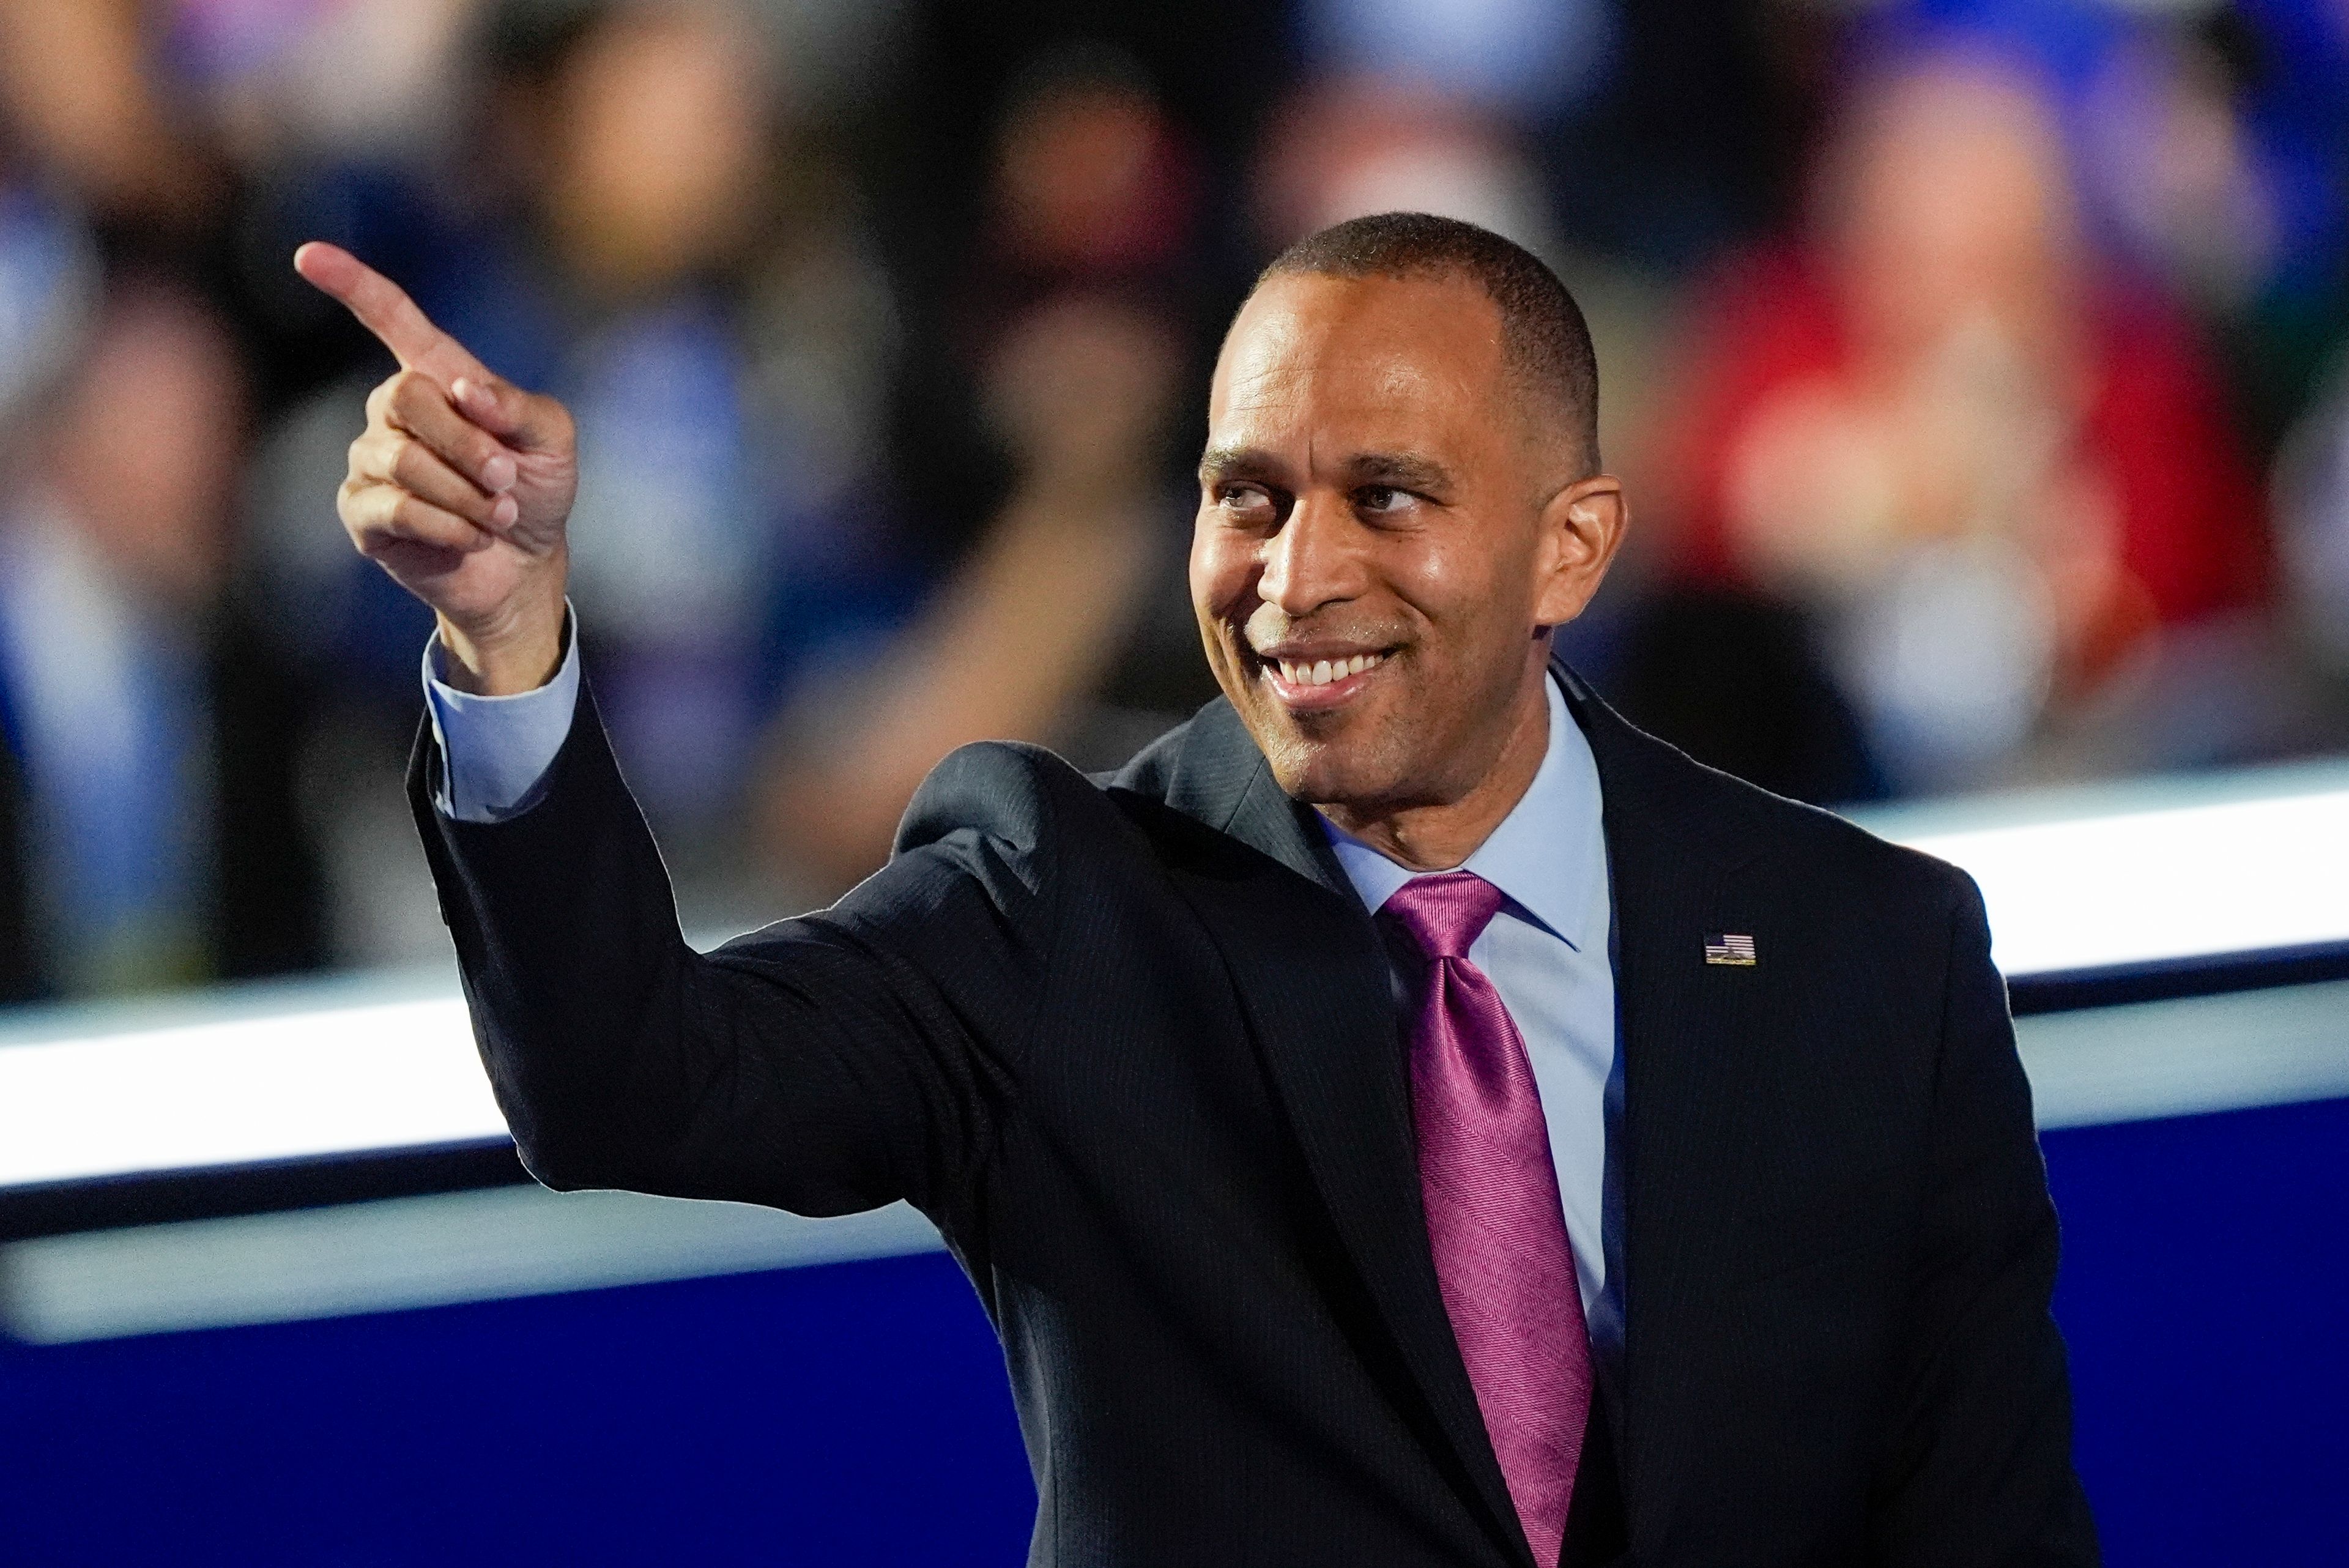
{"type": "Point", "coordinates": [1875, 875]}
{"type": "Point", "coordinates": [1772, 825]}
{"type": "Point", "coordinates": [1004, 789]}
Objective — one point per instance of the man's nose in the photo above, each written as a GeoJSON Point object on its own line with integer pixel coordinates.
{"type": "Point", "coordinates": [1312, 561]}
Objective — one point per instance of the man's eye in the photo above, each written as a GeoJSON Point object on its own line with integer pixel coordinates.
{"type": "Point", "coordinates": [1381, 498]}
{"type": "Point", "coordinates": [1247, 501]}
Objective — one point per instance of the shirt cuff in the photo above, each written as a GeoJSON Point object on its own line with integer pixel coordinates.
{"type": "Point", "coordinates": [495, 750]}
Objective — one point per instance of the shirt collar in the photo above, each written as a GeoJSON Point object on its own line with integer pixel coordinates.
{"type": "Point", "coordinates": [1548, 855]}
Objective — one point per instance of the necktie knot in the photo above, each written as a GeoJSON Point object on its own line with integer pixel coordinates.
{"type": "Point", "coordinates": [1445, 913]}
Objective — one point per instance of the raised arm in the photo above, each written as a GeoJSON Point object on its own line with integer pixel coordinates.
{"type": "Point", "coordinates": [826, 1064]}
{"type": "Point", "coordinates": [822, 1065]}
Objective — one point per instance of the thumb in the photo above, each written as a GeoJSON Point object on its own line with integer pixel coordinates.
{"type": "Point", "coordinates": [524, 421]}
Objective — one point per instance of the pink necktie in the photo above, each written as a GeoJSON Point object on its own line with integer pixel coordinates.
{"type": "Point", "coordinates": [1494, 1218]}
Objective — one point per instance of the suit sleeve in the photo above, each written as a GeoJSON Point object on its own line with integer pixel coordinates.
{"type": "Point", "coordinates": [1979, 1467]}
{"type": "Point", "coordinates": [825, 1064]}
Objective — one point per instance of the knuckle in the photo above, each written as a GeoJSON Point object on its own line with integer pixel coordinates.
{"type": "Point", "coordinates": [391, 459]}
{"type": "Point", "coordinates": [411, 393]}
{"type": "Point", "coordinates": [423, 522]}
{"type": "Point", "coordinates": [362, 516]}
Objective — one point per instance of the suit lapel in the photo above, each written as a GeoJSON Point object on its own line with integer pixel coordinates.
{"type": "Point", "coordinates": [1311, 973]}
{"type": "Point", "coordinates": [1673, 847]}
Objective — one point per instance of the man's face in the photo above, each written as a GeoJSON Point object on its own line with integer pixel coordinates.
{"type": "Point", "coordinates": [1382, 544]}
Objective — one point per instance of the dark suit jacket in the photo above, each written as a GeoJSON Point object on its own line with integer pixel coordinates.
{"type": "Point", "coordinates": [1132, 1045]}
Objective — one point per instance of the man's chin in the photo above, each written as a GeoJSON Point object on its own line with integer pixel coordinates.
{"type": "Point", "coordinates": [1334, 755]}
{"type": "Point", "coordinates": [1324, 764]}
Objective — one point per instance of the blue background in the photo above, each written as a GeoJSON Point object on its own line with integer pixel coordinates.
{"type": "Point", "coordinates": [857, 1413]}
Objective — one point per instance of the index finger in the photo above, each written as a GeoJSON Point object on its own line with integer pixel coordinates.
{"type": "Point", "coordinates": [384, 309]}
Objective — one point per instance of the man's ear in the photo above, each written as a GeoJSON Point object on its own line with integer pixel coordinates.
{"type": "Point", "coordinates": [1581, 528]}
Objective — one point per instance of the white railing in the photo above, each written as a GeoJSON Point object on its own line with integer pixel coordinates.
{"type": "Point", "coordinates": [2074, 879]}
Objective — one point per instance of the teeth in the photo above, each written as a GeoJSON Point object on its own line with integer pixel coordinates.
{"type": "Point", "coordinates": [1321, 672]}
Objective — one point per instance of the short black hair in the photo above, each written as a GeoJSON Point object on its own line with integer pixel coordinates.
{"type": "Point", "coordinates": [1546, 341]}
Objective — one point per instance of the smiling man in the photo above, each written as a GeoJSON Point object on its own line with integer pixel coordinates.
{"type": "Point", "coordinates": [1399, 500]}
{"type": "Point", "coordinates": [1407, 1115]}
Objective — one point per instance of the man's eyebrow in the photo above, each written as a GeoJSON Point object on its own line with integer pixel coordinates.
{"type": "Point", "coordinates": [1221, 462]}
{"type": "Point", "coordinates": [1403, 470]}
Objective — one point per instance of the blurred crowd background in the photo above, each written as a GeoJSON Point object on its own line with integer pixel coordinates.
{"type": "Point", "coordinates": [1980, 374]}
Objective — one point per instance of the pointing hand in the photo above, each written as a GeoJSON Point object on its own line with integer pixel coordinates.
{"type": "Point", "coordinates": [458, 486]}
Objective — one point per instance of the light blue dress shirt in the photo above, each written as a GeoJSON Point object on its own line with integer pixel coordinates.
{"type": "Point", "coordinates": [496, 749]}
{"type": "Point", "coordinates": [1547, 953]}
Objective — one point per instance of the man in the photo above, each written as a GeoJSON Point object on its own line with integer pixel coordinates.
{"type": "Point", "coordinates": [1651, 1176]}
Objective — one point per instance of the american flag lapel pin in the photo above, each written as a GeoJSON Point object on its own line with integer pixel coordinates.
{"type": "Point", "coordinates": [1730, 949]}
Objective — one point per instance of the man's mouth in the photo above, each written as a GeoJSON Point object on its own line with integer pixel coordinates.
{"type": "Point", "coordinates": [1316, 680]}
